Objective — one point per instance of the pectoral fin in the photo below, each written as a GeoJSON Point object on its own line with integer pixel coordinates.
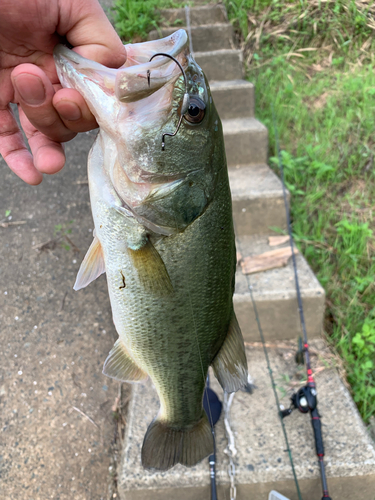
{"type": "Point", "coordinates": [120, 366]}
{"type": "Point", "coordinates": [151, 269]}
{"type": "Point", "coordinates": [230, 364]}
{"type": "Point", "coordinates": [92, 265]}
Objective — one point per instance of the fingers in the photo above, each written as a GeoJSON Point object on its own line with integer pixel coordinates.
{"type": "Point", "coordinates": [49, 157]}
{"type": "Point", "coordinates": [34, 92]}
{"type": "Point", "coordinates": [59, 115]}
{"type": "Point", "coordinates": [73, 111]}
{"type": "Point", "coordinates": [88, 29]}
{"type": "Point", "coordinates": [14, 151]}
{"type": "Point", "coordinates": [47, 117]}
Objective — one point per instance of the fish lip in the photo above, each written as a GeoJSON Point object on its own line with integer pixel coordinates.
{"type": "Point", "coordinates": [129, 82]}
{"type": "Point", "coordinates": [63, 55]}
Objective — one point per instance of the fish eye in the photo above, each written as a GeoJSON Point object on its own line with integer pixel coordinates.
{"type": "Point", "coordinates": [196, 110]}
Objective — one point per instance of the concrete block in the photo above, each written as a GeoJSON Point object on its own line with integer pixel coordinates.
{"type": "Point", "coordinates": [233, 99]}
{"type": "Point", "coordinates": [226, 64]}
{"type": "Point", "coordinates": [205, 37]}
{"type": "Point", "coordinates": [204, 14]}
{"type": "Point", "coordinates": [275, 296]}
{"type": "Point", "coordinates": [261, 461]}
{"type": "Point", "coordinates": [257, 199]}
{"type": "Point", "coordinates": [246, 141]}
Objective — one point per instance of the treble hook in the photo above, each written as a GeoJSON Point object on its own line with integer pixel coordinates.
{"type": "Point", "coordinates": [185, 101]}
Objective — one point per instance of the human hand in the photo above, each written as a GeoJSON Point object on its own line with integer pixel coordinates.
{"type": "Point", "coordinates": [49, 115]}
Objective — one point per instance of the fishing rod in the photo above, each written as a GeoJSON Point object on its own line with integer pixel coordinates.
{"type": "Point", "coordinates": [212, 406]}
{"type": "Point", "coordinates": [305, 399]}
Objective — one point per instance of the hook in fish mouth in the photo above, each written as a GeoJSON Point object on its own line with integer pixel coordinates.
{"type": "Point", "coordinates": [185, 100]}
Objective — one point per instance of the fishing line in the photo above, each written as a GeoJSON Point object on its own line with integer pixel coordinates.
{"type": "Point", "coordinates": [188, 26]}
{"type": "Point", "coordinates": [201, 361]}
{"type": "Point", "coordinates": [273, 384]}
{"type": "Point", "coordinates": [200, 358]}
{"type": "Point", "coordinates": [305, 400]}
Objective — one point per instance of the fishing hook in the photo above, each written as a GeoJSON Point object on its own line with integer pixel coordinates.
{"type": "Point", "coordinates": [185, 101]}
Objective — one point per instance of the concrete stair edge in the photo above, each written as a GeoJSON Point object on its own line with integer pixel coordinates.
{"type": "Point", "coordinates": [274, 293]}
{"type": "Point", "coordinates": [246, 141]}
{"type": "Point", "coordinates": [261, 461]}
{"type": "Point", "coordinates": [222, 64]}
{"type": "Point", "coordinates": [233, 98]}
{"type": "Point", "coordinates": [201, 14]}
{"type": "Point", "coordinates": [257, 199]}
{"type": "Point", "coordinates": [206, 37]}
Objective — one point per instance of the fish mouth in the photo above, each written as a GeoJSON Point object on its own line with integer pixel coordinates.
{"type": "Point", "coordinates": [137, 78]}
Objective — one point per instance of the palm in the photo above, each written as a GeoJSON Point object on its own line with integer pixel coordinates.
{"type": "Point", "coordinates": [28, 77]}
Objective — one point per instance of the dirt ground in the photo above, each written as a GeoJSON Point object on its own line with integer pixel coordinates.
{"type": "Point", "coordinates": [58, 432]}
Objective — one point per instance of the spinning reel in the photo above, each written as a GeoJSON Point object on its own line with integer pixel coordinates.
{"type": "Point", "coordinates": [305, 400]}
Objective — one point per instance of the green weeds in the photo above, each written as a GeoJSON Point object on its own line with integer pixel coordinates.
{"type": "Point", "coordinates": [341, 26]}
{"type": "Point", "coordinates": [360, 356]}
{"type": "Point", "coordinates": [135, 18]}
{"type": "Point", "coordinates": [321, 83]}
{"type": "Point", "coordinates": [61, 232]}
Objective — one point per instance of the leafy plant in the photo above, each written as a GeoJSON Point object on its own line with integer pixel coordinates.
{"type": "Point", "coordinates": [324, 105]}
{"type": "Point", "coordinates": [135, 18]}
{"type": "Point", "coordinates": [361, 374]}
{"type": "Point", "coordinates": [61, 232]}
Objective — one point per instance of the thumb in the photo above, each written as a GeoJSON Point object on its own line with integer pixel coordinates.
{"type": "Point", "coordinates": [87, 28]}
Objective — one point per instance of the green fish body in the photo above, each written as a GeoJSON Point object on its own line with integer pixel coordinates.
{"type": "Point", "coordinates": [164, 236]}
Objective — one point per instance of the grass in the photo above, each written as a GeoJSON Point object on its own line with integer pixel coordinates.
{"type": "Point", "coordinates": [313, 62]}
{"type": "Point", "coordinates": [135, 18]}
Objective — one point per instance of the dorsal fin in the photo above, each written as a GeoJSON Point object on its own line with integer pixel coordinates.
{"type": "Point", "coordinates": [92, 265]}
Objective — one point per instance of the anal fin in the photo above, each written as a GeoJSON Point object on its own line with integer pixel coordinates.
{"type": "Point", "coordinates": [230, 364]}
{"type": "Point", "coordinates": [120, 366]}
{"type": "Point", "coordinates": [151, 269]}
{"type": "Point", "coordinates": [92, 265]}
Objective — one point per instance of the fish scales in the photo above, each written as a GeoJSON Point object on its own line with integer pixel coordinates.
{"type": "Point", "coordinates": [164, 237]}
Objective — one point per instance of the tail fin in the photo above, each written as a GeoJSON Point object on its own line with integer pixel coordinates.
{"type": "Point", "coordinates": [165, 446]}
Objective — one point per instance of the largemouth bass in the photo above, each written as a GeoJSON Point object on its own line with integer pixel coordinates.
{"type": "Point", "coordinates": [163, 235]}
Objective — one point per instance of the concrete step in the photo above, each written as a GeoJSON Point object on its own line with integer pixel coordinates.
{"type": "Point", "coordinates": [234, 98]}
{"type": "Point", "coordinates": [274, 293]}
{"type": "Point", "coordinates": [257, 199]}
{"type": "Point", "coordinates": [261, 462]}
{"type": "Point", "coordinates": [204, 14]}
{"type": "Point", "coordinates": [205, 37]}
{"type": "Point", "coordinates": [246, 141]}
{"type": "Point", "coordinates": [226, 64]}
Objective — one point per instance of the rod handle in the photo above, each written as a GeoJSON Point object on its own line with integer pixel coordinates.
{"type": "Point", "coordinates": [317, 427]}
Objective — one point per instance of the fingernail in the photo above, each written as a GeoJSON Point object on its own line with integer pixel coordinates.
{"type": "Point", "coordinates": [30, 88]}
{"type": "Point", "coordinates": [68, 110]}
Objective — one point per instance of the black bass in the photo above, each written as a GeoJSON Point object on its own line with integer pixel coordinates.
{"type": "Point", "coordinates": [163, 235]}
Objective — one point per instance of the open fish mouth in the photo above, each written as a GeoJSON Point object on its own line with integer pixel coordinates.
{"type": "Point", "coordinates": [130, 82]}
{"type": "Point", "coordinates": [159, 92]}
